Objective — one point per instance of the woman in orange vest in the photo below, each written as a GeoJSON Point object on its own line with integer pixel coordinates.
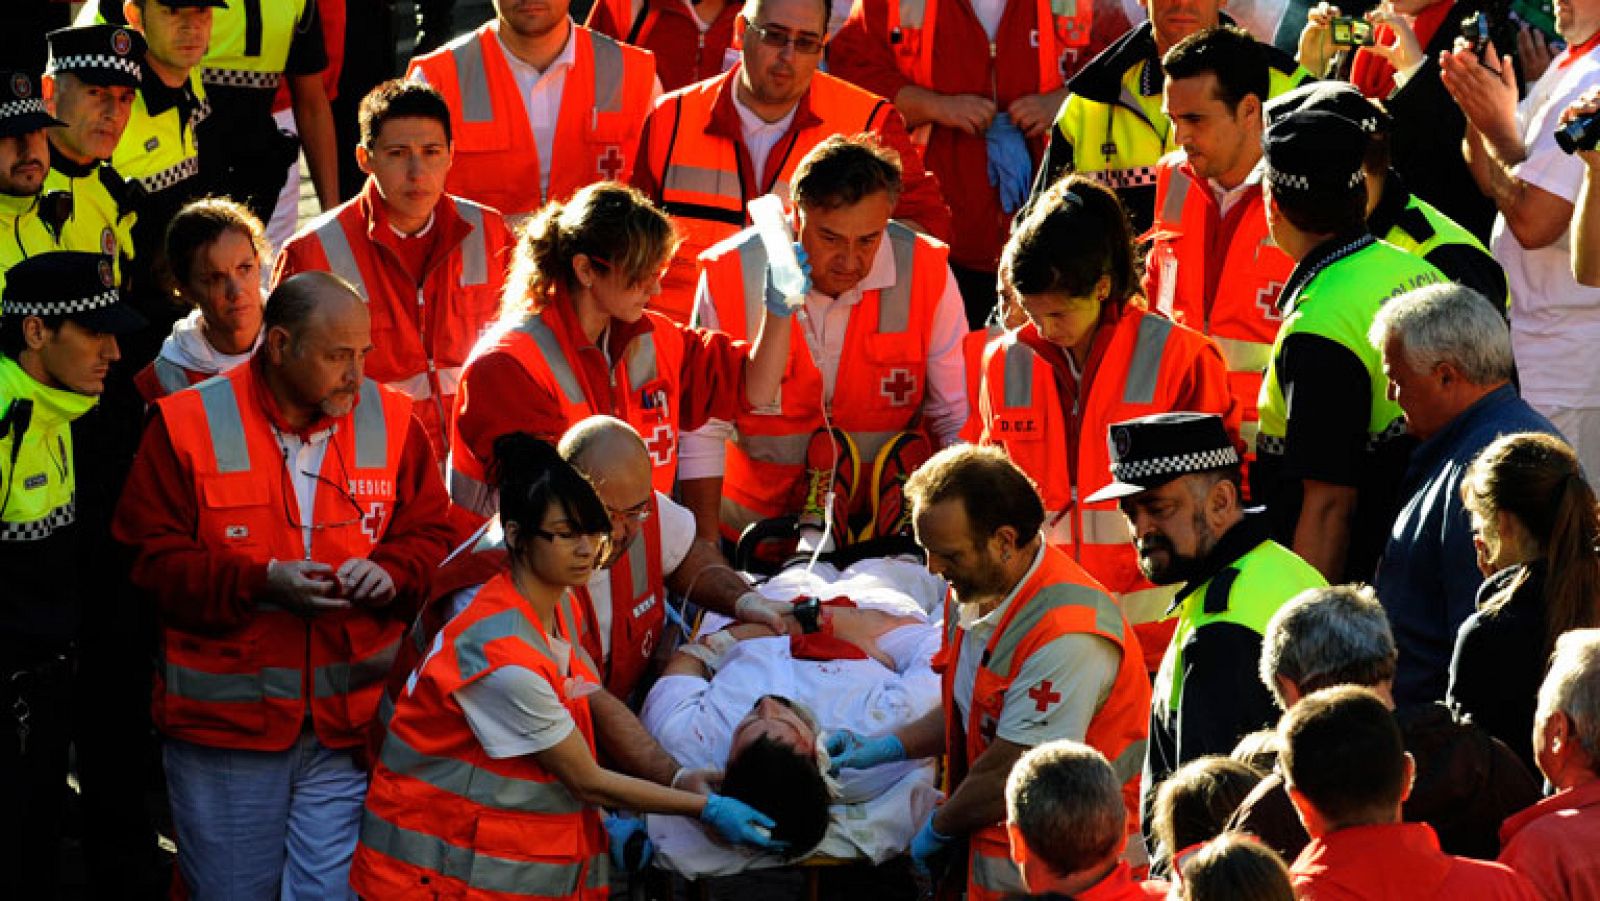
{"type": "Point", "coordinates": [574, 339]}
{"type": "Point", "coordinates": [1090, 355]}
{"type": "Point", "coordinates": [487, 785]}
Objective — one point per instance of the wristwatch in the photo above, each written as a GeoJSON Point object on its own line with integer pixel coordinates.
{"type": "Point", "coordinates": [808, 613]}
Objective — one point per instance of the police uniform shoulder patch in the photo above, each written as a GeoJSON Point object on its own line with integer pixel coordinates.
{"type": "Point", "coordinates": [21, 87]}
{"type": "Point", "coordinates": [108, 275]}
{"type": "Point", "coordinates": [108, 241]}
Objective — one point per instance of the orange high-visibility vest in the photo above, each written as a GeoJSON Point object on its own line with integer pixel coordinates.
{"type": "Point", "coordinates": [647, 379]}
{"type": "Point", "coordinates": [878, 390]}
{"type": "Point", "coordinates": [973, 346]}
{"type": "Point", "coordinates": [1058, 599]}
{"type": "Point", "coordinates": [911, 26]}
{"type": "Point", "coordinates": [251, 688]}
{"type": "Point", "coordinates": [698, 173]}
{"type": "Point", "coordinates": [638, 609]}
{"type": "Point", "coordinates": [1221, 279]}
{"type": "Point", "coordinates": [446, 820]}
{"type": "Point", "coordinates": [161, 377]}
{"type": "Point", "coordinates": [421, 353]}
{"type": "Point", "coordinates": [1020, 407]}
{"type": "Point", "coordinates": [604, 100]}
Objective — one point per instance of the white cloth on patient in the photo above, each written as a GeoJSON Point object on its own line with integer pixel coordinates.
{"type": "Point", "coordinates": [694, 719]}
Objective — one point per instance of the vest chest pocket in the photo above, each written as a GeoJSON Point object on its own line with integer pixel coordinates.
{"type": "Point", "coordinates": [215, 686]}
{"type": "Point", "coordinates": [236, 513]}
{"type": "Point", "coordinates": [550, 846]}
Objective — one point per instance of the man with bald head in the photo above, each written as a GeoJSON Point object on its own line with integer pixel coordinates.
{"type": "Point", "coordinates": [286, 515]}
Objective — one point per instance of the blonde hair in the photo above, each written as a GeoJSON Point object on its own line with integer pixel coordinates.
{"type": "Point", "coordinates": [614, 225]}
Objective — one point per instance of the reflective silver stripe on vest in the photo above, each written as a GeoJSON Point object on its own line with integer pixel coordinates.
{"type": "Point", "coordinates": [702, 180]}
{"type": "Point", "coordinates": [638, 568]}
{"type": "Point", "coordinates": [420, 387]}
{"type": "Point", "coordinates": [1177, 195]}
{"type": "Point", "coordinates": [1105, 527]}
{"type": "Point", "coordinates": [470, 654]}
{"type": "Point", "coordinates": [642, 369]}
{"type": "Point", "coordinates": [171, 376]}
{"type": "Point", "coordinates": [1244, 356]}
{"type": "Point", "coordinates": [337, 679]}
{"type": "Point", "coordinates": [1144, 369]}
{"type": "Point", "coordinates": [481, 871]}
{"type": "Point", "coordinates": [1019, 375]}
{"type": "Point", "coordinates": [473, 79]}
{"type": "Point", "coordinates": [996, 874]}
{"type": "Point", "coordinates": [753, 270]}
{"type": "Point", "coordinates": [372, 432]}
{"type": "Point", "coordinates": [482, 787]}
{"type": "Point", "coordinates": [469, 493]}
{"type": "Point", "coordinates": [894, 302]}
{"type": "Point", "coordinates": [226, 425]}
{"type": "Point", "coordinates": [41, 528]}
{"type": "Point", "coordinates": [1107, 618]}
{"type": "Point", "coordinates": [271, 682]}
{"type": "Point", "coordinates": [912, 12]}
{"type": "Point", "coordinates": [554, 357]}
{"type": "Point", "coordinates": [341, 260]}
{"type": "Point", "coordinates": [1130, 762]}
{"type": "Point", "coordinates": [474, 254]}
{"type": "Point", "coordinates": [607, 69]}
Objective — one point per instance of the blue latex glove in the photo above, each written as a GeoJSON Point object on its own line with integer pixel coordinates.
{"type": "Point", "coordinates": [740, 823]}
{"type": "Point", "coordinates": [777, 305]}
{"type": "Point", "coordinates": [858, 752]}
{"type": "Point", "coordinates": [930, 848]}
{"type": "Point", "coordinates": [1010, 166]}
{"type": "Point", "coordinates": [623, 830]}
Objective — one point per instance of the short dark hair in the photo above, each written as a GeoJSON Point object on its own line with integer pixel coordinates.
{"type": "Point", "coordinates": [785, 784]}
{"type": "Point", "coordinates": [841, 170]}
{"type": "Point", "coordinates": [748, 10]}
{"type": "Point", "coordinates": [1342, 750]}
{"type": "Point", "coordinates": [12, 340]}
{"type": "Point", "coordinates": [1194, 803]}
{"type": "Point", "coordinates": [400, 98]}
{"type": "Point", "coordinates": [530, 477]}
{"type": "Point", "coordinates": [1227, 51]}
{"type": "Point", "coordinates": [1065, 800]}
{"type": "Point", "coordinates": [1323, 212]}
{"type": "Point", "coordinates": [1071, 235]}
{"type": "Point", "coordinates": [992, 490]}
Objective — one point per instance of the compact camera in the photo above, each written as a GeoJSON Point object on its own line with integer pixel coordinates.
{"type": "Point", "coordinates": [1349, 31]}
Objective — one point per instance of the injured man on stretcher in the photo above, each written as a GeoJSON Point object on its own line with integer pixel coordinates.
{"type": "Point", "coordinates": [759, 705]}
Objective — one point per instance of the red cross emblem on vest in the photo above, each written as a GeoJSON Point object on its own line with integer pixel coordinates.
{"type": "Point", "coordinates": [1267, 300]}
{"type": "Point", "coordinates": [1043, 695]}
{"type": "Point", "coordinates": [372, 523]}
{"type": "Point", "coordinates": [610, 163]}
{"type": "Point", "coordinates": [661, 445]}
{"type": "Point", "coordinates": [898, 386]}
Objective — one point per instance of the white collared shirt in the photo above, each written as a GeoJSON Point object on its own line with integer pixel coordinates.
{"type": "Point", "coordinates": [760, 136]}
{"type": "Point", "coordinates": [541, 97]}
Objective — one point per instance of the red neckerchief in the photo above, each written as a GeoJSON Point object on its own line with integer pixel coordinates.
{"type": "Point", "coordinates": [1571, 54]}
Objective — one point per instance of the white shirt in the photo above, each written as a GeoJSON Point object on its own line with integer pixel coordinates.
{"type": "Point", "coordinates": [303, 462]}
{"type": "Point", "coordinates": [677, 536]}
{"type": "Point", "coordinates": [760, 136]}
{"type": "Point", "coordinates": [989, 13]}
{"type": "Point", "coordinates": [944, 404]}
{"type": "Point", "coordinates": [1555, 322]}
{"type": "Point", "coordinates": [541, 97]}
{"type": "Point", "coordinates": [1070, 678]}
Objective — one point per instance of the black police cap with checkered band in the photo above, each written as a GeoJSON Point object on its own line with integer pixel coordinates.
{"type": "Point", "coordinates": [1338, 97]}
{"type": "Point", "coordinates": [80, 286]}
{"type": "Point", "coordinates": [102, 55]}
{"type": "Point", "coordinates": [21, 105]}
{"type": "Point", "coordinates": [1313, 153]}
{"type": "Point", "coordinates": [1151, 451]}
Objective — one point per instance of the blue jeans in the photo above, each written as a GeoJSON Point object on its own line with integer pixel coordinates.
{"type": "Point", "coordinates": [259, 825]}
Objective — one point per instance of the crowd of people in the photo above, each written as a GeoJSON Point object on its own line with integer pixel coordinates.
{"type": "Point", "coordinates": [1153, 450]}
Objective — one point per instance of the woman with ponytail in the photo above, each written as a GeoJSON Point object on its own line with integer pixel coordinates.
{"type": "Point", "coordinates": [574, 339]}
{"type": "Point", "coordinates": [1090, 354]}
{"type": "Point", "coordinates": [487, 784]}
{"type": "Point", "coordinates": [1536, 527]}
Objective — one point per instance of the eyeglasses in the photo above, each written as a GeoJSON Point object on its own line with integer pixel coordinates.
{"type": "Point", "coordinates": [638, 513]}
{"type": "Point", "coordinates": [778, 38]}
{"type": "Point", "coordinates": [570, 538]}
{"type": "Point", "coordinates": [286, 488]}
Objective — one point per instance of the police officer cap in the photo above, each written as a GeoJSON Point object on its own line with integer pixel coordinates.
{"type": "Point", "coordinates": [1337, 97]}
{"type": "Point", "coordinates": [192, 4]}
{"type": "Point", "coordinates": [21, 106]}
{"type": "Point", "coordinates": [1151, 451]}
{"type": "Point", "coordinates": [1311, 152]}
{"type": "Point", "coordinates": [103, 55]}
{"type": "Point", "coordinates": [80, 286]}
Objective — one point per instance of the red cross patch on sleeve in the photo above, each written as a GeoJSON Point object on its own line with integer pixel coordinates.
{"type": "Point", "coordinates": [1044, 696]}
